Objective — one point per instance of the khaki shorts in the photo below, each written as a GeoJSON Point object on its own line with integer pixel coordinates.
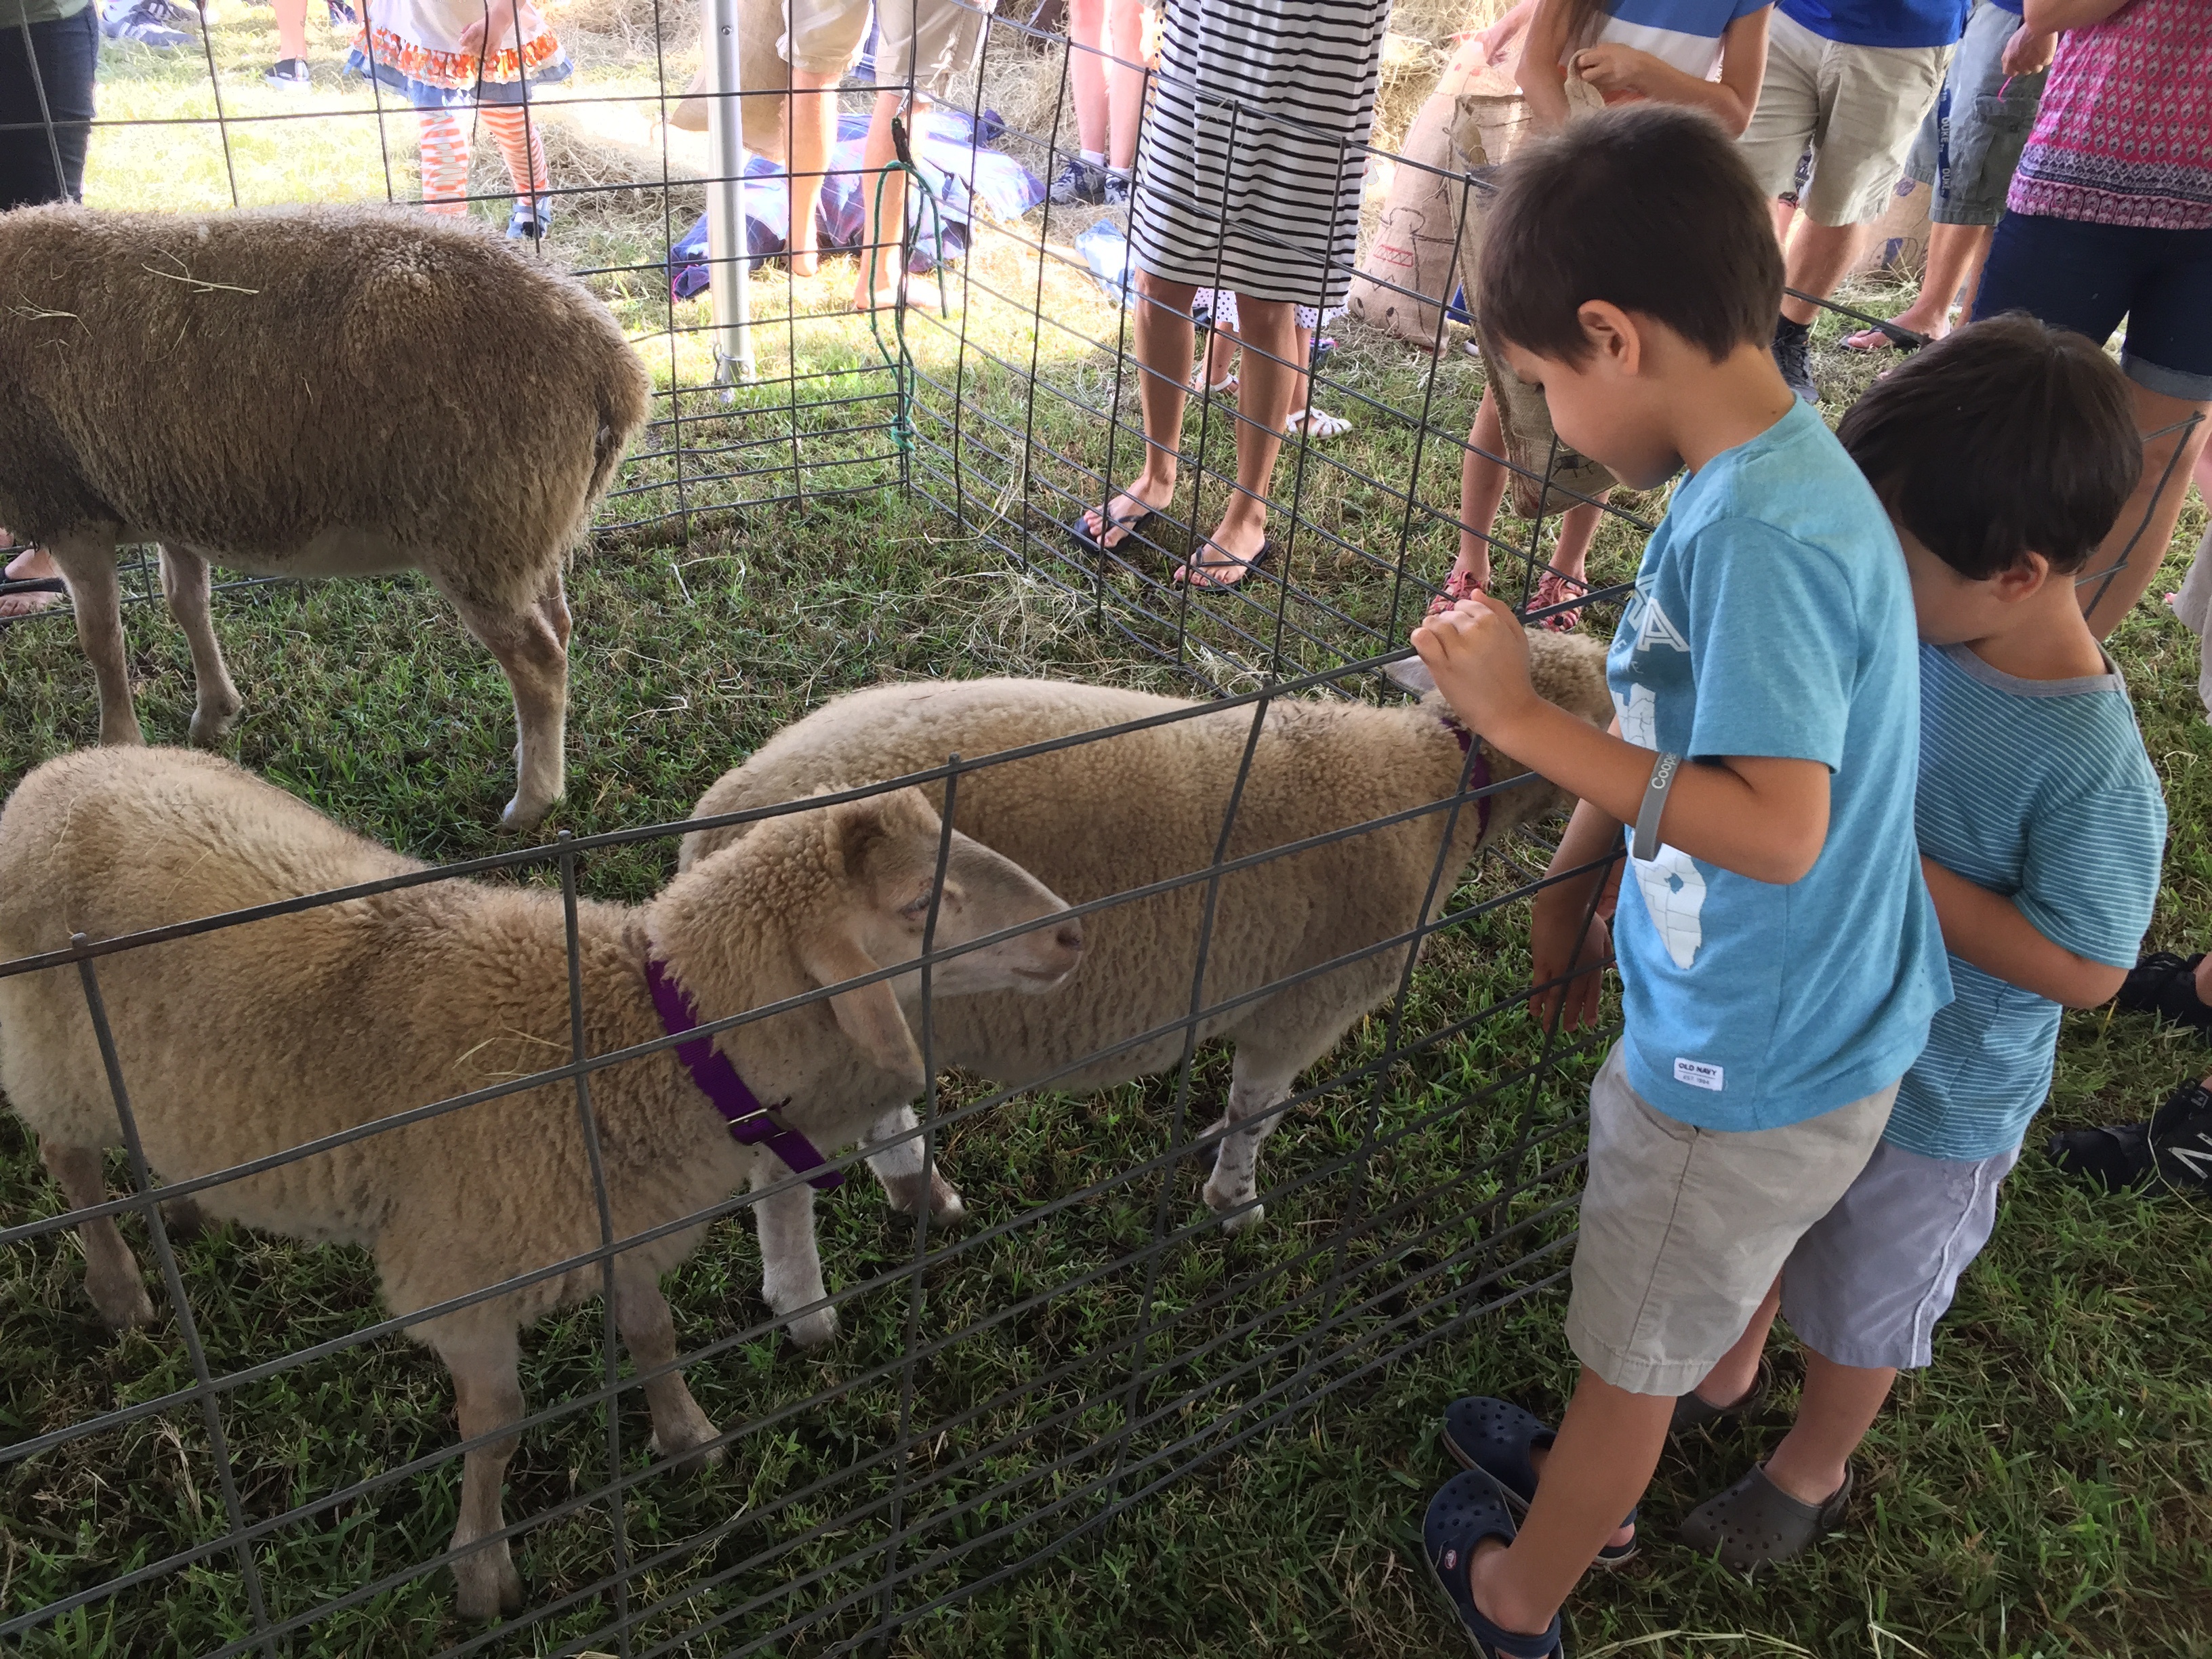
{"type": "Point", "coordinates": [935, 41]}
{"type": "Point", "coordinates": [1684, 1230]}
{"type": "Point", "coordinates": [1858, 107]}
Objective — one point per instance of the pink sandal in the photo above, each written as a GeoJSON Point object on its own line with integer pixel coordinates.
{"type": "Point", "coordinates": [1553, 588]}
{"type": "Point", "coordinates": [1458, 586]}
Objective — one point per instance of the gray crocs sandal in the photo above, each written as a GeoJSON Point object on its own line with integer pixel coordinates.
{"type": "Point", "coordinates": [1692, 1413]}
{"type": "Point", "coordinates": [1755, 1522]}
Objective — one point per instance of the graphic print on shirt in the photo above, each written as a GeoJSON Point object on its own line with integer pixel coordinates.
{"type": "Point", "coordinates": [1673, 890]}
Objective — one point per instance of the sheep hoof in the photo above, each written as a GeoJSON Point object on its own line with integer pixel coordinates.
{"type": "Point", "coordinates": [123, 1302]}
{"type": "Point", "coordinates": [519, 817]}
{"type": "Point", "coordinates": [946, 1204]}
{"type": "Point", "coordinates": [904, 1192]}
{"type": "Point", "coordinates": [685, 1458]}
{"type": "Point", "coordinates": [211, 727]}
{"type": "Point", "coordinates": [816, 1330]}
{"type": "Point", "coordinates": [486, 1584]}
{"type": "Point", "coordinates": [1244, 1220]}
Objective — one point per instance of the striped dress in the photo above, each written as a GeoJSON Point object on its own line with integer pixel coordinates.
{"type": "Point", "coordinates": [1249, 166]}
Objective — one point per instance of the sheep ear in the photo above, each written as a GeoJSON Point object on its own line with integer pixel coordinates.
{"type": "Point", "coordinates": [1410, 674]}
{"type": "Point", "coordinates": [869, 1015]}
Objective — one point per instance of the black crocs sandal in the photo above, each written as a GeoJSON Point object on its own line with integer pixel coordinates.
{"type": "Point", "coordinates": [1496, 1437]}
{"type": "Point", "coordinates": [2165, 984]}
{"type": "Point", "coordinates": [1755, 1522]}
{"type": "Point", "coordinates": [1470, 1509]}
{"type": "Point", "coordinates": [1692, 1412]}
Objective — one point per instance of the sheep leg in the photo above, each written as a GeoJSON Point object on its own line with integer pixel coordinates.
{"type": "Point", "coordinates": [188, 585]}
{"type": "Point", "coordinates": [87, 564]}
{"type": "Point", "coordinates": [112, 1277]}
{"type": "Point", "coordinates": [898, 1167]}
{"type": "Point", "coordinates": [1255, 1086]}
{"type": "Point", "coordinates": [641, 1315]}
{"type": "Point", "coordinates": [791, 1267]}
{"type": "Point", "coordinates": [487, 1396]}
{"type": "Point", "coordinates": [532, 646]}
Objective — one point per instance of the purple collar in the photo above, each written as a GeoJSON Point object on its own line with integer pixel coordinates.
{"type": "Point", "coordinates": [1478, 771]}
{"type": "Point", "coordinates": [751, 1124]}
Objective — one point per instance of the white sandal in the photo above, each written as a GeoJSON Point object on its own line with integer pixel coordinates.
{"type": "Point", "coordinates": [1220, 388]}
{"type": "Point", "coordinates": [1317, 425]}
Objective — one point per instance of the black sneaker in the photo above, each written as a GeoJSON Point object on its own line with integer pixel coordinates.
{"type": "Point", "coordinates": [1078, 181]}
{"type": "Point", "coordinates": [2181, 1138]}
{"type": "Point", "coordinates": [1117, 187]}
{"type": "Point", "coordinates": [149, 22]}
{"type": "Point", "coordinates": [290, 74]}
{"type": "Point", "coordinates": [2165, 984]}
{"type": "Point", "coordinates": [1793, 356]}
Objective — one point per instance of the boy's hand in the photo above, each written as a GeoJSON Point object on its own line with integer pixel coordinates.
{"type": "Point", "coordinates": [1479, 652]}
{"type": "Point", "coordinates": [1558, 946]}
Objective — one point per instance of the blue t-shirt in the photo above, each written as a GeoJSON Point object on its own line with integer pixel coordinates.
{"type": "Point", "coordinates": [1882, 22]}
{"type": "Point", "coordinates": [1771, 617]}
{"type": "Point", "coordinates": [1684, 35]}
{"type": "Point", "coordinates": [2039, 790]}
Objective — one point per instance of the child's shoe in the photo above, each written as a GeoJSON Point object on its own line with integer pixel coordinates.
{"type": "Point", "coordinates": [1079, 181]}
{"type": "Point", "coordinates": [530, 222]}
{"type": "Point", "coordinates": [1693, 1411]}
{"type": "Point", "coordinates": [1469, 1510]}
{"type": "Point", "coordinates": [290, 74]}
{"type": "Point", "coordinates": [1755, 1522]}
{"type": "Point", "coordinates": [1496, 1437]}
{"type": "Point", "coordinates": [2165, 984]}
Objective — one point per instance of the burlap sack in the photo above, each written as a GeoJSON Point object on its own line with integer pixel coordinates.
{"type": "Point", "coordinates": [1522, 412]}
{"type": "Point", "coordinates": [760, 25]}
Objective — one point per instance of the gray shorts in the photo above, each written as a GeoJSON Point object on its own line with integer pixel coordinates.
{"type": "Point", "coordinates": [935, 41]}
{"type": "Point", "coordinates": [1971, 142]}
{"type": "Point", "coordinates": [1684, 1229]}
{"type": "Point", "coordinates": [1870, 1280]}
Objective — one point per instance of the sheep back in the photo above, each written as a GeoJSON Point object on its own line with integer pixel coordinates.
{"type": "Point", "coordinates": [241, 383]}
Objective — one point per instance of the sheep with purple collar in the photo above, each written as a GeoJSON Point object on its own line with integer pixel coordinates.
{"type": "Point", "coordinates": [1103, 817]}
{"type": "Point", "coordinates": [245, 1041]}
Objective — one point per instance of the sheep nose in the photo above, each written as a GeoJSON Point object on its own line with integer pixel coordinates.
{"type": "Point", "coordinates": [1069, 936]}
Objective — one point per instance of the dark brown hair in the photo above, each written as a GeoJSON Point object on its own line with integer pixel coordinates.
{"type": "Point", "coordinates": [2001, 438]}
{"type": "Point", "coordinates": [1647, 206]}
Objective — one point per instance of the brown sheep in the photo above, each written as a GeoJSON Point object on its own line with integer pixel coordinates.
{"type": "Point", "coordinates": [1103, 817]}
{"type": "Point", "coordinates": [241, 1041]}
{"type": "Point", "coordinates": [309, 391]}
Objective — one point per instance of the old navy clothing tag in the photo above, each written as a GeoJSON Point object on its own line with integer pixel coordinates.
{"type": "Point", "coordinates": [1697, 1074]}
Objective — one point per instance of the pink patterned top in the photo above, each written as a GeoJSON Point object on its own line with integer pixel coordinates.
{"type": "Point", "coordinates": [2125, 134]}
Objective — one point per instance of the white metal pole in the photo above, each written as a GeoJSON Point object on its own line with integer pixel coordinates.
{"type": "Point", "coordinates": [727, 262]}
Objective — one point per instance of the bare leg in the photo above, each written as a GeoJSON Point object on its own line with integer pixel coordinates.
{"type": "Point", "coordinates": [1086, 72]}
{"type": "Point", "coordinates": [1955, 254]}
{"type": "Point", "coordinates": [112, 1277]}
{"type": "Point", "coordinates": [185, 580]}
{"type": "Point", "coordinates": [1269, 329]}
{"type": "Point", "coordinates": [489, 1396]}
{"type": "Point", "coordinates": [1817, 258]}
{"type": "Point", "coordinates": [1608, 1445]}
{"type": "Point", "coordinates": [291, 28]}
{"type": "Point", "coordinates": [89, 567]}
{"type": "Point", "coordinates": [898, 1167]}
{"type": "Point", "coordinates": [1125, 80]}
{"type": "Point", "coordinates": [1164, 338]}
{"type": "Point", "coordinates": [811, 112]}
{"type": "Point", "coordinates": [531, 645]}
{"type": "Point", "coordinates": [641, 1315]}
{"type": "Point", "coordinates": [1738, 1370]}
{"type": "Point", "coordinates": [33, 564]}
{"type": "Point", "coordinates": [1840, 1405]}
{"type": "Point", "coordinates": [1481, 491]}
{"type": "Point", "coordinates": [1577, 525]}
{"type": "Point", "coordinates": [882, 268]}
{"type": "Point", "coordinates": [791, 1267]}
{"type": "Point", "coordinates": [2105, 605]}
{"type": "Point", "coordinates": [1255, 1086]}
{"type": "Point", "coordinates": [1220, 360]}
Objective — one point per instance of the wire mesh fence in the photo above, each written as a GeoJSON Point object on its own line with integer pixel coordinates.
{"type": "Point", "coordinates": [1008, 1384]}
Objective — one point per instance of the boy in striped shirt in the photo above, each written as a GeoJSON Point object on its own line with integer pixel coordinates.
{"type": "Point", "coordinates": [2004, 453]}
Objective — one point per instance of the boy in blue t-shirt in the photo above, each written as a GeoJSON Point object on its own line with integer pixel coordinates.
{"type": "Point", "coordinates": [1779, 956]}
{"type": "Point", "coordinates": [2004, 453]}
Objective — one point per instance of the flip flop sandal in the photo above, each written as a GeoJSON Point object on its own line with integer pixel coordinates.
{"type": "Point", "coordinates": [2181, 1136]}
{"type": "Point", "coordinates": [1496, 1437]}
{"type": "Point", "coordinates": [1199, 578]}
{"type": "Point", "coordinates": [1755, 1522]}
{"type": "Point", "coordinates": [1130, 528]}
{"type": "Point", "coordinates": [1553, 588]}
{"type": "Point", "coordinates": [1469, 1509]}
{"type": "Point", "coordinates": [1458, 585]}
{"type": "Point", "coordinates": [1691, 1412]}
{"type": "Point", "coordinates": [1889, 338]}
{"type": "Point", "coordinates": [2117, 1157]}
{"type": "Point", "coordinates": [2165, 984]}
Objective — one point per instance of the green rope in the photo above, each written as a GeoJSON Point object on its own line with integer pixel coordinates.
{"type": "Point", "coordinates": [902, 360]}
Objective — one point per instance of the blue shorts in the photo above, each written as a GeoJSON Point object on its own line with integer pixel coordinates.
{"type": "Point", "coordinates": [1971, 142]}
{"type": "Point", "coordinates": [2073, 274]}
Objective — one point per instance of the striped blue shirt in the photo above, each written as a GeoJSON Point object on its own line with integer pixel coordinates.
{"type": "Point", "coordinates": [1684, 35]}
{"type": "Point", "coordinates": [2039, 790]}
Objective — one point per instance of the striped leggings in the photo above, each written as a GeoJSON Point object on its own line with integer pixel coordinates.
{"type": "Point", "coordinates": [446, 154]}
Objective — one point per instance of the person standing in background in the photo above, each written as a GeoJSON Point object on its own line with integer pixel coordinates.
{"type": "Point", "coordinates": [1106, 70]}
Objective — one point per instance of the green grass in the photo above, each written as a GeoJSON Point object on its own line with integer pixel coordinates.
{"type": "Point", "coordinates": [2040, 1490]}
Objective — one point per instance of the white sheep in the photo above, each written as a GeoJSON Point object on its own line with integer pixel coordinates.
{"type": "Point", "coordinates": [1103, 817]}
{"type": "Point", "coordinates": [241, 1042]}
{"type": "Point", "coordinates": [309, 391]}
